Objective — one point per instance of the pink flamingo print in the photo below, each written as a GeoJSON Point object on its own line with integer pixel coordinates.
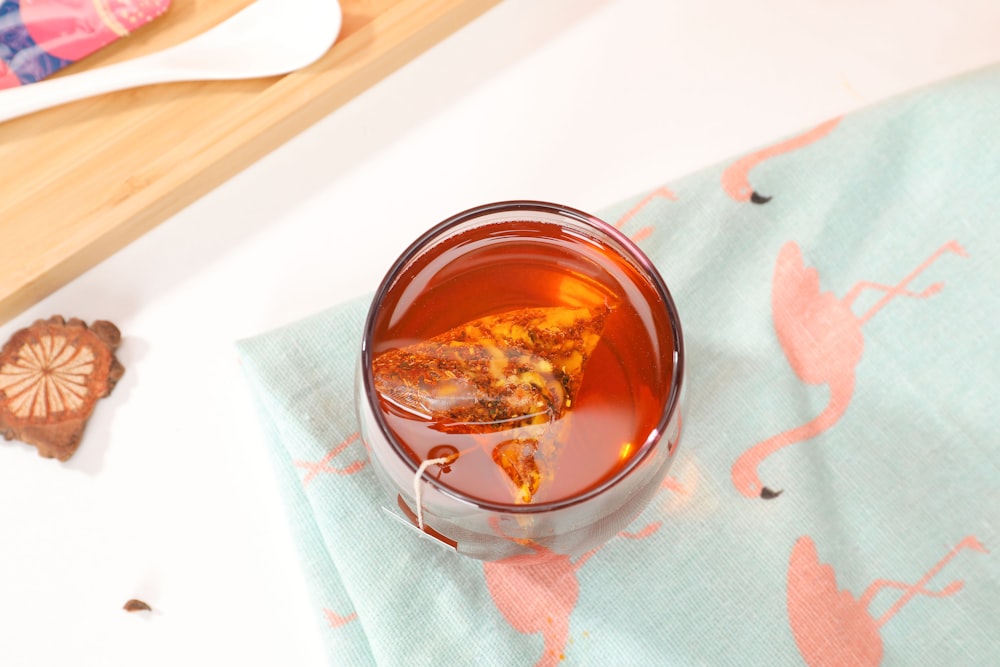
{"type": "Point", "coordinates": [822, 339]}
{"type": "Point", "coordinates": [736, 178]}
{"type": "Point", "coordinates": [670, 484]}
{"type": "Point", "coordinates": [336, 620]}
{"type": "Point", "coordinates": [645, 232]}
{"type": "Point", "coordinates": [537, 592]}
{"type": "Point", "coordinates": [830, 626]}
{"type": "Point", "coordinates": [315, 468]}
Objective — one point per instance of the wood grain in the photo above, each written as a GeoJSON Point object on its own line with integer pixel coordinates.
{"type": "Point", "coordinates": [83, 180]}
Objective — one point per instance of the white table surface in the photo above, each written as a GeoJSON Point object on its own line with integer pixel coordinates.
{"type": "Point", "coordinates": [584, 102]}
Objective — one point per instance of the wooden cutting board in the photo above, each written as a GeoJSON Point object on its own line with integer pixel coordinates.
{"type": "Point", "coordinates": [83, 180]}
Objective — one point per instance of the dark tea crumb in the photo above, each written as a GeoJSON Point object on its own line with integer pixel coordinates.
{"type": "Point", "coordinates": [136, 605]}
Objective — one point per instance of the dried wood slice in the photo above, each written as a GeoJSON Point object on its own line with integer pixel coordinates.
{"type": "Point", "coordinates": [51, 377]}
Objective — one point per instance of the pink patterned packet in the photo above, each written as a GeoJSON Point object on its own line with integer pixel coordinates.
{"type": "Point", "coordinates": [40, 37]}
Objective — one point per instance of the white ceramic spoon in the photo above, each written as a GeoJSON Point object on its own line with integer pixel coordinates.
{"type": "Point", "coordinates": [266, 38]}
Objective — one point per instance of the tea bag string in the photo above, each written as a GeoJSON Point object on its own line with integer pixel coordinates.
{"type": "Point", "coordinates": [418, 488]}
{"type": "Point", "coordinates": [421, 469]}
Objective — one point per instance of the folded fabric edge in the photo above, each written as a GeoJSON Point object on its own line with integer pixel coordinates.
{"type": "Point", "coordinates": [350, 645]}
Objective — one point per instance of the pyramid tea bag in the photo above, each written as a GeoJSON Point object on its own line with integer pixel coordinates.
{"type": "Point", "coordinates": [518, 459]}
{"type": "Point", "coordinates": [515, 373]}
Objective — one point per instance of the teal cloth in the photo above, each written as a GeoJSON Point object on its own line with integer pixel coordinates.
{"type": "Point", "coordinates": [842, 343]}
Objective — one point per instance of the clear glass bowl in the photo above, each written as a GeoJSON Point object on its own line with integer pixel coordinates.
{"type": "Point", "coordinates": [488, 529]}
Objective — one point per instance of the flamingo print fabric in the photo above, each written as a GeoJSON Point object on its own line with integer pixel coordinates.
{"type": "Point", "coordinates": [836, 496]}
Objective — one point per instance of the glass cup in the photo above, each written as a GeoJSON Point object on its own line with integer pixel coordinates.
{"type": "Point", "coordinates": [557, 481]}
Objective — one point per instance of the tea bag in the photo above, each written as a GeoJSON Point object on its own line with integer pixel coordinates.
{"type": "Point", "coordinates": [515, 373]}
{"type": "Point", "coordinates": [518, 459]}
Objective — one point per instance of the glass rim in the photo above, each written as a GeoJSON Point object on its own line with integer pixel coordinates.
{"type": "Point", "coordinates": [631, 253]}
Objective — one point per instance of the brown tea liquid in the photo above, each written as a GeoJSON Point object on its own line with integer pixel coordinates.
{"type": "Point", "coordinates": [513, 265]}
